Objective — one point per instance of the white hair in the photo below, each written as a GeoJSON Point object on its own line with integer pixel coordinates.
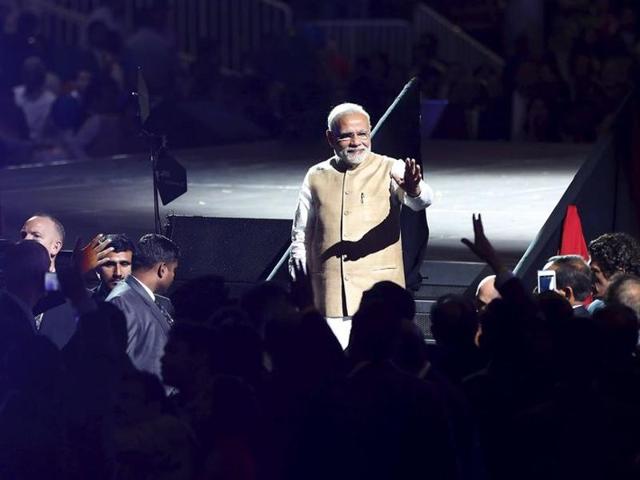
{"type": "Point", "coordinates": [344, 109]}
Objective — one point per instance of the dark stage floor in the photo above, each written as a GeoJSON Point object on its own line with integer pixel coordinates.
{"type": "Point", "coordinates": [514, 186]}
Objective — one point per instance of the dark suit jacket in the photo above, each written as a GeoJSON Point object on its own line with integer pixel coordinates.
{"type": "Point", "coordinates": [581, 311]}
{"type": "Point", "coordinates": [99, 293]}
{"type": "Point", "coordinates": [147, 327]}
{"type": "Point", "coordinates": [14, 319]}
{"type": "Point", "coordinates": [58, 320]}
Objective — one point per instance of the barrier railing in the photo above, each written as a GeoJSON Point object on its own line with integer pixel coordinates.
{"type": "Point", "coordinates": [236, 26]}
{"type": "Point", "coordinates": [355, 38]}
{"type": "Point", "coordinates": [454, 44]}
{"type": "Point", "coordinates": [239, 26]}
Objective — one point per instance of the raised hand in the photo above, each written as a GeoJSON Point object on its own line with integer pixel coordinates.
{"type": "Point", "coordinates": [410, 182]}
{"type": "Point", "coordinates": [301, 289]}
{"type": "Point", "coordinates": [93, 254]}
{"type": "Point", "coordinates": [481, 245]}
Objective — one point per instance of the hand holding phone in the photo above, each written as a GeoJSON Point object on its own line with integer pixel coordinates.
{"type": "Point", "coordinates": [546, 280]}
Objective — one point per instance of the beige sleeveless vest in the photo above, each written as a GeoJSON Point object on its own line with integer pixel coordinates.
{"type": "Point", "coordinates": [356, 233]}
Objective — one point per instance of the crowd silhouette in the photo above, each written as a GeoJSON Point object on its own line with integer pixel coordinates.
{"type": "Point", "coordinates": [258, 387]}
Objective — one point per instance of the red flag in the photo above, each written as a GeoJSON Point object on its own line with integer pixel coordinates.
{"type": "Point", "coordinates": [573, 242]}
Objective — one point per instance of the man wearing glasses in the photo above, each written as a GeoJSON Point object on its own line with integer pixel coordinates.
{"type": "Point", "coordinates": [346, 227]}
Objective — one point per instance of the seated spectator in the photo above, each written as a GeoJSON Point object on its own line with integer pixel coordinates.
{"type": "Point", "coordinates": [27, 41]}
{"type": "Point", "coordinates": [33, 97]}
{"type": "Point", "coordinates": [151, 49]}
{"type": "Point", "coordinates": [540, 124]}
{"type": "Point", "coordinates": [14, 131]}
{"type": "Point", "coordinates": [93, 132]}
{"type": "Point", "coordinates": [109, 12]}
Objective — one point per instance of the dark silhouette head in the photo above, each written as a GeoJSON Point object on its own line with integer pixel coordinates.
{"type": "Point", "coordinates": [198, 299]}
{"type": "Point", "coordinates": [34, 74]}
{"type": "Point", "coordinates": [554, 306]}
{"type": "Point", "coordinates": [26, 263]}
{"type": "Point", "coordinates": [624, 289]}
{"type": "Point", "coordinates": [304, 348]}
{"type": "Point", "coordinates": [141, 397]}
{"type": "Point", "coordinates": [156, 261]}
{"type": "Point", "coordinates": [152, 249]}
{"type": "Point", "coordinates": [375, 331]}
{"type": "Point", "coordinates": [237, 351]}
{"type": "Point", "coordinates": [454, 321]}
{"type": "Point", "coordinates": [619, 330]}
{"type": "Point", "coordinates": [394, 294]}
{"type": "Point", "coordinates": [613, 253]}
{"type": "Point", "coordinates": [265, 303]}
{"type": "Point", "coordinates": [411, 353]}
{"type": "Point", "coordinates": [187, 355]}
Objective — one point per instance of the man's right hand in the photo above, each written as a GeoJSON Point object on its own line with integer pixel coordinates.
{"type": "Point", "coordinates": [301, 288]}
{"type": "Point", "coordinates": [94, 254]}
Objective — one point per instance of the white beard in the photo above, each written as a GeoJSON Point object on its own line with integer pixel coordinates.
{"type": "Point", "coordinates": [354, 156]}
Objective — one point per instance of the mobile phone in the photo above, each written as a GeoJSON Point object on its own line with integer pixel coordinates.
{"type": "Point", "coordinates": [51, 282]}
{"type": "Point", "coordinates": [546, 280]}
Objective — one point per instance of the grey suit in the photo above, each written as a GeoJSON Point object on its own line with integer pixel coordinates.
{"type": "Point", "coordinates": [147, 325]}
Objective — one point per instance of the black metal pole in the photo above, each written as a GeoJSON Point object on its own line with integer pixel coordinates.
{"type": "Point", "coordinates": [156, 206]}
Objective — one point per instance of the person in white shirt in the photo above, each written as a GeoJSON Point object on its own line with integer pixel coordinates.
{"type": "Point", "coordinates": [346, 227]}
{"type": "Point", "coordinates": [33, 97]}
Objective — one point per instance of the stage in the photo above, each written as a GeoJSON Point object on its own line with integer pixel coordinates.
{"type": "Point", "coordinates": [515, 186]}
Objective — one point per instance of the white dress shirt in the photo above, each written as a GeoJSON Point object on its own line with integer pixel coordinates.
{"type": "Point", "coordinates": [146, 289]}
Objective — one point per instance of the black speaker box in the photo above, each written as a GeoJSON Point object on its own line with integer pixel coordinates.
{"type": "Point", "coordinates": [240, 250]}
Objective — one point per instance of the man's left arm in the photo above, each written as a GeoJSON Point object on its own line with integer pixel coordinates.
{"type": "Point", "coordinates": [409, 186]}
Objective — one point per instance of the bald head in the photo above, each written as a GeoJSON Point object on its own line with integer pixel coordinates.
{"type": "Point", "coordinates": [486, 292]}
{"type": "Point", "coordinates": [47, 231]}
{"type": "Point", "coordinates": [624, 289]}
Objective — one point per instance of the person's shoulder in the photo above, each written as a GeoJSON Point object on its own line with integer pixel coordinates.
{"type": "Point", "coordinates": [322, 168]}
{"type": "Point", "coordinates": [121, 291]}
{"type": "Point", "coordinates": [48, 96]}
{"type": "Point", "coordinates": [327, 164]}
{"type": "Point", "coordinates": [387, 161]}
{"type": "Point", "coordinates": [165, 302]}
